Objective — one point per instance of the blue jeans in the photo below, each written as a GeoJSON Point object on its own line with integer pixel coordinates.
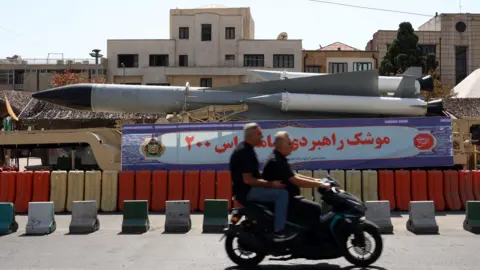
{"type": "Point", "coordinates": [273, 195]}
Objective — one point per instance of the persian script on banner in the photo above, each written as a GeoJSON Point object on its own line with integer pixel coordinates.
{"type": "Point", "coordinates": [319, 144]}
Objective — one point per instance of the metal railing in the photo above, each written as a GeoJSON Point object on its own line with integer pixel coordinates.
{"type": "Point", "coordinates": [44, 61]}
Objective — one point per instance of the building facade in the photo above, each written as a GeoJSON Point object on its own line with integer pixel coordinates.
{"type": "Point", "coordinates": [337, 58]}
{"type": "Point", "coordinates": [36, 74]}
{"type": "Point", "coordinates": [454, 38]}
{"type": "Point", "coordinates": [208, 47]}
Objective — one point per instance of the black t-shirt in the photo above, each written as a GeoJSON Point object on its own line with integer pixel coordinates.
{"type": "Point", "coordinates": [276, 168]}
{"type": "Point", "coordinates": [243, 160]}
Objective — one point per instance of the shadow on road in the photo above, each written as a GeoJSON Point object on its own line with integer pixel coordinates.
{"type": "Point", "coordinates": [320, 266]}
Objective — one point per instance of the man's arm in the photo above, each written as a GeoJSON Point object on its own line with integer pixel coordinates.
{"type": "Point", "coordinates": [307, 183]}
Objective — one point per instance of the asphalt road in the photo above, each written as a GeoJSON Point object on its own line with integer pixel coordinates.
{"type": "Point", "coordinates": [106, 249]}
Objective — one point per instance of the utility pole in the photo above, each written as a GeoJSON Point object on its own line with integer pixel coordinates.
{"type": "Point", "coordinates": [96, 53]}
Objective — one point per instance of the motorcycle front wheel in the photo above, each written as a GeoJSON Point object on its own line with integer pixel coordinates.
{"type": "Point", "coordinates": [373, 247]}
{"type": "Point", "coordinates": [239, 256]}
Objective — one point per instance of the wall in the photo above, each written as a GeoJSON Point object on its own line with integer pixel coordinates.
{"type": "Point", "coordinates": [322, 58]}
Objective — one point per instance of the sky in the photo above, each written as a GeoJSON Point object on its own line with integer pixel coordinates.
{"type": "Point", "coordinates": [33, 29]}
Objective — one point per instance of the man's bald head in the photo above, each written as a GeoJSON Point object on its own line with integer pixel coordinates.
{"type": "Point", "coordinates": [280, 137]}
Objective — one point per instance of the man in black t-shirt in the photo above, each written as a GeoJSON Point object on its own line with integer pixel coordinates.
{"type": "Point", "coordinates": [276, 167]}
{"type": "Point", "coordinates": [247, 182]}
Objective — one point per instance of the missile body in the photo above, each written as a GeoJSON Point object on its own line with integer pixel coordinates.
{"type": "Point", "coordinates": [343, 104]}
{"type": "Point", "coordinates": [137, 99]}
{"type": "Point", "coordinates": [386, 84]}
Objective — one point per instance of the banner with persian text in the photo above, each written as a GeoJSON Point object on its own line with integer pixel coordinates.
{"type": "Point", "coordinates": [318, 144]}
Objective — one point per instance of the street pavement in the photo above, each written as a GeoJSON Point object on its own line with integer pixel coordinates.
{"type": "Point", "coordinates": [453, 248]}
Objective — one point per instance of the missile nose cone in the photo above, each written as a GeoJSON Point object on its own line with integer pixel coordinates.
{"type": "Point", "coordinates": [74, 96]}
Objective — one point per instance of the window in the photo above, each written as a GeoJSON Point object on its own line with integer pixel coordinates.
{"type": "Point", "coordinates": [360, 66]}
{"type": "Point", "coordinates": [314, 69]}
{"type": "Point", "coordinates": [127, 60]}
{"type": "Point", "coordinates": [183, 60]}
{"type": "Point", "coordinates": [161, 84]}
{"type": "Point", "coordinates": [283, 61]}
{"type": "Point", "coordinates": [229, 32]}
{"type": "Point", "coordinates": [205, 82]}
{"type": "Point", "coordinates": [253, 60]}
{"type": "Point", "coordinates": [426, 49]}
{"type": "Point", "coordinates": [230, 57]}
{"type": "Point", "coordinates": [158, 60]}
{"type": "Point", "coordinates": [337, 67]}
{"type": "Point", "coordinates": [206, 32]}
{"type": "Point", "coordinates": [460, 63]}
{"type": "Point", "coordinates": [183, 33]}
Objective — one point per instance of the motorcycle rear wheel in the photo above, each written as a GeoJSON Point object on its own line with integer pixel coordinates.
{"type": "Point", "coordinates": [237, 259]}
{"type": "Point", "coordinates": [371, 230]}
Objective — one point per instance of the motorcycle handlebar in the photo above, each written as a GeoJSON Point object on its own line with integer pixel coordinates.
{"type": "Point", "coordinates": [332, 182]}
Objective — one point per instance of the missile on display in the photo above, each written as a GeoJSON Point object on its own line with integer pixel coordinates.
{"type": "Point", "coordinates": [386, 84]}
{"type": "Point", "coordinates": [350, 104]}
{"type": "Point", "coordinates": [300, 98]}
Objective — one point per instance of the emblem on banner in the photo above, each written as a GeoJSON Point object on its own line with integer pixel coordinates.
{"type": "Point", "coordinates": [152, 148]}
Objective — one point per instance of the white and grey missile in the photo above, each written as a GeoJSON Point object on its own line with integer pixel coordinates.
{"type": "Point", "coordinates": [347, 104]}
{"type": "Point", "coordinates": [386, 84]}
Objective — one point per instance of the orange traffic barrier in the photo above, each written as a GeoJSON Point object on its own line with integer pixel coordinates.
{"type": "Point", "coordinates": [159, 190]}
{"type": "Point", "coordinates": [175, 185]}
{"type": "Point", "coordinates": [402, 189]}
{"type": "Point", "coordinates": [7, 186]}
{"type": "Point", "coordinates": [465, 187]}
{"type": "Point", "coordinates": [224, 187]}
{"type": "Point", "coordinates": [126, 187]}
{"type": "Point", "coordinates": [450, 189]}
{"type": "Point", "coordinates": [476, 184]}
{"type": "Point", "coordinates": [435, 189]}
{"type": "Point", "coordinates": [41, 186]}
{"type": "Point", "coordinates": [419, 185]}
{"type": "Point", "coordinates": [191, 188]}
{"type": "Point", "coordinates": [207, 188]}
{"type": "Point", "coordinates": [143, 189]}
{"type": "Point", "coordinates": [24, 191]}
{"type": "Point", "coordinates": [386, 187]}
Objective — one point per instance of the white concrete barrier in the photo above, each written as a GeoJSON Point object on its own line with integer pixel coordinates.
{"type": "Point", "coordinates": [84, 217]}
{"type": "Point", "coordinates": [378, 212]}
{"type": "Point", "coordinates": [177, 217]}
{"type": "Point", "coordinates": [421, 218]}
{"type": "Point", "coordinates": [41, 218]}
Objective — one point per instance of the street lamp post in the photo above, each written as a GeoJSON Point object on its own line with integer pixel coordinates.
{"type": "Point", "coordinates": [96, 53]}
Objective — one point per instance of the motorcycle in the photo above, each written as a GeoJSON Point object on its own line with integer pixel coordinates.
{"type": "Point", "coordinates": [333, 235]}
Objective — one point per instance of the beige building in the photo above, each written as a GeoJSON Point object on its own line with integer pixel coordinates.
{"type": "Point", "coordinates": [337, 58]}
{"type": "Point", "coordinates": [454, 38]}
{"type": "Point", "coordinates": [36, 74]}
{"type": "Point", "coordinates": [211, 46]}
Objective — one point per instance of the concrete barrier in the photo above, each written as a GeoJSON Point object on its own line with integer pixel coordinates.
{"type": "Point", "coordinates": [177, 217]}
{"type": "Point", "coordinates": [421, 218]}
{"type": "Point", "coordinates": [370, 185]}
{"type": "Point", "coordinates": [75, 188]}
{"type": "Point", "coordinates": [378, 212]}
{"type": "Point", "coordinates": [41, 218]}
{"type": "Point", "coordinates": [472, 217]}
{"type": "Point", "coordinates": [93, 187]}
{"type": "Point", "coordinates": [7, 218]}
{"type": "Point", "coordinates": [215, 216]}
{"type": "Point", "coordinates": [84, 217]}
{"type": "Point", "coordinates": [135, 216]}
{"type": "Point", "coordinates": [58, 190]}
{"type": "Point", "coordinates": [354, 182]}
{"type": "Point", "coordinates": [109, 191]}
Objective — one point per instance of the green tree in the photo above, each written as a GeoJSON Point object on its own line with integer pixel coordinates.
{"type": "Point", "coordinates": [404, 52]}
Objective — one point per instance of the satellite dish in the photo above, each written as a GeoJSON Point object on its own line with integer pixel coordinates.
{"type": "Point", "coordinates": [282, 36]}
